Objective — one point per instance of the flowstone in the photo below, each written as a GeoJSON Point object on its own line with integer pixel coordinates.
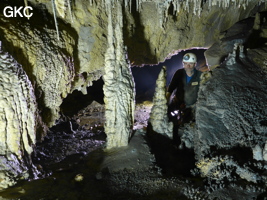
{"type": "Point", "coordinates": [18, 114]}
{"type": "Point", "coordinates": [230, 113]}
{"type": "Point", "coordinates": [48, 63]}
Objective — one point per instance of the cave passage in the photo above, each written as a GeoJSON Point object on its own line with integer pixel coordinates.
{"type": "Point", "coordinates": [77, 101]}
{"type": "Point", "coordinates": [145, 77]}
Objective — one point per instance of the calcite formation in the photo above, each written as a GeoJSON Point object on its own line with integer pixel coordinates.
{"type": "Point", "coordinates": [68, 44]}
{"type": "Point", "coordinates": [240, 110]}
{"type": "Point", "coordinates": [158, 116]}
{"type": "Point", "coordinates": [119, 85]}
{"type": "Point", "coordinates": [219, 168]}
{"type": "Point", "coordinates": [231, 113]}
{"type": "Point", "coordinates": [238, 33]}
{"type": "Point", "coordinates": [49, 68]}
{"type": "Point", "coordinates": [18, 114]}
{"type": "Point", "coordinates": [72, 41]}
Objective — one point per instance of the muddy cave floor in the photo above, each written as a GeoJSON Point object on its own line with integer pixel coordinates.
{"type": "Point", "coordinates": [73, 165]}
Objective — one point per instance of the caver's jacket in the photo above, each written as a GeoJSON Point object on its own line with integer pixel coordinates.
{"type": "Point", "coordinates": [185, 93]}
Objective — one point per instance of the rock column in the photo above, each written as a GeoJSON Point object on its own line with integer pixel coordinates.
{"type": "Point", "coordinates": [118, 83]}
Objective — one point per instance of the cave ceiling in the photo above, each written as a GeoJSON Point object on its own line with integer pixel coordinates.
{"type": "Point", "coordinates": [73, 46]}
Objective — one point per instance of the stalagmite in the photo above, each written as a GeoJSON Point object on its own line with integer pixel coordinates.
{"type": "Point", "coordinates": [118, 84]}
{"type": "Point", "coordinates": [158, 116]}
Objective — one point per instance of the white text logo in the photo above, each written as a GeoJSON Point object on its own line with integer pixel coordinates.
{"type": "Point", "coordinates": [17, 12]}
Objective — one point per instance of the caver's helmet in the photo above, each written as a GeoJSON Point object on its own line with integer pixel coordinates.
{"type": "Point", "coordinates": [190, 57]}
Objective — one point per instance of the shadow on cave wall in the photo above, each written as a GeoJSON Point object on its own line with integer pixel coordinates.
{"type": "Point", "coordinates": [172, 160]}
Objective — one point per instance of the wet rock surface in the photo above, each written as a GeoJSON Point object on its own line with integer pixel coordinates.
{"type": "Point", "coordinates": [17, 121]}
{"type": "Point", "coordinates": [91, 116]}
{"type": "Point", "coordinates": [65, 142]}
{"type": "Point", "coordinates": [141, 115]}
{"type": "Point", "coordinates": [68, 57]}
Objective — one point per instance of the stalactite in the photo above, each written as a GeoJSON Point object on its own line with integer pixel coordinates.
{"type": "Point", "coordinates": [70, 12]}
{"type": "Point", "coordinates": [55, 17]}
{"type": "Point", "coordinates": [194, 6]}
{"type": "Point", "coordinates": [174, 8]}
{"type": "Point", "coordinates": [160, 14]}
{"type": "Point", "coordinates": [26, 4]}
{"type": "Point", "coordinates": [234, 3]}
{"type": "Point", "coordinates": [126, 3]}
{"type": "Point", "coordinates": [197, 7]}
{"type": "Point", "coordinates": [187, 6]}
{"type": "Point", "coordinates": [177, 8]}
{"type": "Point", "coordinates": [227, 3]}
{"type": "Point", "coordinates": [61, 7]}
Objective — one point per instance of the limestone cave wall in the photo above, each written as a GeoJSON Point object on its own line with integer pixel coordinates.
{"type": "Point", "coordinates": [18, 120]}
{"type": "Point", "coordinates": [152, 31]}
{"type": "Point", "coordinates": [66, 45]}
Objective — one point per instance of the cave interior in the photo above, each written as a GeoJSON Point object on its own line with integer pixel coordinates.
{"type": "Point", "coordinates": [83, 108]}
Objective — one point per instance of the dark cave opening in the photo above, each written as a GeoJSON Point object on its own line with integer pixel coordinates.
{"type": "Point", "coordinates": [68, 146]}
{"type": "Point", "coordinates": [82, 121]}
{"type": "Point", "coordinates": [77, 106]}
{"type": "Point", "coordinates": [74, 146]}
{"type": "Point", "coordinates": [144, 77]}
{"type": "Point", "coordinates": [77, 101]}
{"type": "Point", "coordinates": [78, 132]}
